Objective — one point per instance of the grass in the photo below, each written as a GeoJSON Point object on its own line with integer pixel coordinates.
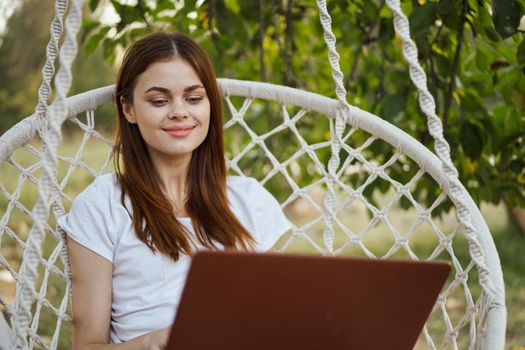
{"type": "Point", "coordinates": [377, 238]}
{"type": "Point", "coordinates": [509, 244]}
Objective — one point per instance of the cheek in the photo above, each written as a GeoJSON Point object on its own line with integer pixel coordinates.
{"type": "Point", "coordinates": [205, 123]}
{"type": "Point", "coordinates": [148, 117]}
{"type": "Point", "coordinates": [206, 115]}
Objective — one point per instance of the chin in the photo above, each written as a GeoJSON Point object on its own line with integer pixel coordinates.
{"type": "Point", "coordinates": [183, 152]}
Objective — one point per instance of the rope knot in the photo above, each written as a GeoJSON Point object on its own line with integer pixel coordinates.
{"type": "Point", "coordinates": [355, 239]}
{"type": "Point", "coordinates": [452, 334]}
{"type": "Point", "coordinates": [445, 242]}
{"type": "Point", "coordinates": [462, 277]}
{"type": "Point", "coordinates": [424, 215]}
{"type": "Point", "coordinates": [380, 214]}
{"type": "Point", "coordinates": [402, 241]}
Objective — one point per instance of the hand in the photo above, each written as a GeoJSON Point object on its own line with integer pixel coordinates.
{"type": "Point", "coordinates": [156, 340]}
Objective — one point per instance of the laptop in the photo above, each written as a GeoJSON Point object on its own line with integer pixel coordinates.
{"type": "Point", "coordinates": [256, 301]}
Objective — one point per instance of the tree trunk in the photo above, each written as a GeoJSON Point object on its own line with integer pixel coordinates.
{"type": "Point", "coordinates": [517, 215]}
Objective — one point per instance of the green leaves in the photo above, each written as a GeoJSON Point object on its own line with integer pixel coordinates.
{"type": "Point", "coordinates": [520, 53]}
{"type": "Point", "coordinates": [128, 14]}
{"type": "Point", "coordinates": [506, 15]}
{"type": "Point", "coordinates": [93, 4]}
{"type": "Point", "coordinates": [393, 105]}
{"type": "Point", "coordinates": [472, 139]}
{"type": "Point", "coordinates": [485, 122]}
{"type": "Point", "coordinates": [422, 18]}
{"type": "Point", "coordinates": [93, 41]}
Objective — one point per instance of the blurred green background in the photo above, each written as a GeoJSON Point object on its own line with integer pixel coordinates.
{"type": "Point", "coordinates": [472, 51]}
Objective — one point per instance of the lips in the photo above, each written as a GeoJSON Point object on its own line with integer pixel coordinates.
{"type": "Point", "coordinates": [179, 131]}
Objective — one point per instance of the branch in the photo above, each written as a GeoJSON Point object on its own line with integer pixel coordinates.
{"type": "Point", "coordinates": [142, 10]}
{"type": "Point", "coordinates": [288, 76]}
{"type": "Point", "coordinates": [380, 91]}
{"type": "Point", "coordinates": [359, 49]}
{"type": "Point", "coordinates": [432, 69]}
{"type": "Point", "coordinates": [455, 63]}
{"type": "Point", "coordinates": [212, 10]}
{"type": "Point", "coordinates": [288, 44]}
{"type": "Point", "coordinates": [433, 74]}
{"type": "Point", "coordinates": [276, 27]}
{"type": "Point", "coordinates": [264, 76]}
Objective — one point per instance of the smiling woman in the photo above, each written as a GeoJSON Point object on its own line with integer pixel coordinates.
{"type": "Point", "coordinates": [170, 197]}
{"type": "Point", "coordinates": [171, 110]}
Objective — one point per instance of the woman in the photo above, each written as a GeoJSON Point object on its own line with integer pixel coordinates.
{"type": "Point", "coordinates": [131, 235]}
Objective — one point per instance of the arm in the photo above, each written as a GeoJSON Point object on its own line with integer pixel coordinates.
{"type": "Point", "coordinates": [92, 286]}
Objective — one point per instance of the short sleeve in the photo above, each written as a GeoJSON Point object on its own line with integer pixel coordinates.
{"type": "Point", "coordinates": [270, 221]}
{"type": "Point", "coordinates": [92, 219]}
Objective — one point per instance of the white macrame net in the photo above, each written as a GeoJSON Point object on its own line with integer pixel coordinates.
{"type": "Point", "coordinates": [254, 147]}
{"type": "Point", "coordinates": [323, 181]}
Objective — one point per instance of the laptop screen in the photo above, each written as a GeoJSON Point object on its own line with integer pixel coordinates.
{"type": "Point", "coordinates": [240, 300]}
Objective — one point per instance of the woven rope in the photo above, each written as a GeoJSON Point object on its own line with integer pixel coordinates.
{"type": "Point", "coordinates": [353, 237]}
{"type": "Point", "coordinates": [428, 106]}
{"type": "Point", "coordinates": [379, 215]}
{"type": "Point", "coordinates": [48, 191]}
{"type": "Point", "coordinates": [57, 117]}
{"type": "Point", "coordinates": [22, 317]}
{"type": "Point", "coordinates": [48, 70]}
{"type": "Point", "coordinates": [340, 123]}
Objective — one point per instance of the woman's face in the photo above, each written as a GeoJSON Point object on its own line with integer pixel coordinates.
{"type": "Point", "coordinates": [171, 109]}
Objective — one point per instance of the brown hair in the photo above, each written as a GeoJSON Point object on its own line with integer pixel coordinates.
{"type": "Point", "coordinates": [207, 202]}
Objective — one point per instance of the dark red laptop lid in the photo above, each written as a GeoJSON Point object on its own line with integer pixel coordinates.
{"type": "Point", "coordinates": [239, 300]}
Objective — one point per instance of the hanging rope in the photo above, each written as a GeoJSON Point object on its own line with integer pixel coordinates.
{"type": "Point", "coordinates": [338, 130]}
{"type": "Point", "coordinates": [428, 106]}
{"type": "Point", "coordinates": [51, 135]}
{"type": "Point", "coordinates": [48, 71]}
{"type": "Point", "coordinates": [47, 184]}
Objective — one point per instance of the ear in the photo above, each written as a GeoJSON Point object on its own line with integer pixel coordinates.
{"type": "Point", "coordinates": [128, 110]}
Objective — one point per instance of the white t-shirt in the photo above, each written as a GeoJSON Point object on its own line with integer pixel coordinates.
{"type": "Point", "coordinates": [147, 286]}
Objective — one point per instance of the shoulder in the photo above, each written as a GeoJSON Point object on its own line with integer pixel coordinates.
{"type": "Point", "coordinates": [239, 189]}
{"type": "Point", "coordinates": [258, 210]}
{"type": "Point", "coordinates": [96, 216]}
{"type": "Point", "coordinates": [103, 192]}
{"type": "Point", "coordinates": [247, 189]}
{"type": "Point", "coordinates": [241, 183]}
{"type": "Point", "coordinates": [100, 201]}
{"type": "Point", "coordinates": [105, 185]}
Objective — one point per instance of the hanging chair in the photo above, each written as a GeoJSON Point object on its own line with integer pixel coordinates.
{"type": "Point", "coordinates": [339, 217]}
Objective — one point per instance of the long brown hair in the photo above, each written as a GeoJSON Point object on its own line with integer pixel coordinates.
{"type": "Point", "coordinates": [207, 202]}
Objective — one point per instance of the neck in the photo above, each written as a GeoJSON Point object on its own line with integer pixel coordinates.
{"type": "Point", "coordinates": [173, 172]}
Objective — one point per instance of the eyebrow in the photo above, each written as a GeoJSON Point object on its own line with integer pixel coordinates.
{"type": "Point", "coordinates": [167, 91]}
{"type": "Point", "coordinates": [194, 87]}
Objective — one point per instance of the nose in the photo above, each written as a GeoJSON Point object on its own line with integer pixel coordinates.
{"type": "Point", "coordinates": [177, 114]}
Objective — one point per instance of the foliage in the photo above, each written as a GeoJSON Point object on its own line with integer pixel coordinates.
{"type": "Point", "coordinates": [22, 55]}
{"type": "Point", "coordinates": [19, 82]}
{"type": "Point", "coordinates": [471, 50]}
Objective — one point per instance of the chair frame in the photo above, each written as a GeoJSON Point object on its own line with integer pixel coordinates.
{"type": "Point", "coordinates": [24, 131]}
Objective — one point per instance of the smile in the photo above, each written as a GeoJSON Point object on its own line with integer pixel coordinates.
{"type": "Point", "coordinates": [180, 131]}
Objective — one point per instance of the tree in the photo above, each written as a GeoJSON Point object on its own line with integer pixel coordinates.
{"type": "Point", "coordinates": [22, 55]}
{"type": "Point", "coordinates": [472, 51]}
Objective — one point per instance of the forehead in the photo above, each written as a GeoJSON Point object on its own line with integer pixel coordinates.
{"type": "Point", "coordinates": [174, 74]}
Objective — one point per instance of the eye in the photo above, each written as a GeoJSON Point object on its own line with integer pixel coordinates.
{"type": "Point", "coordinates": [158, 102]}
{"type": "Point", "coordinates": [194, 99]}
